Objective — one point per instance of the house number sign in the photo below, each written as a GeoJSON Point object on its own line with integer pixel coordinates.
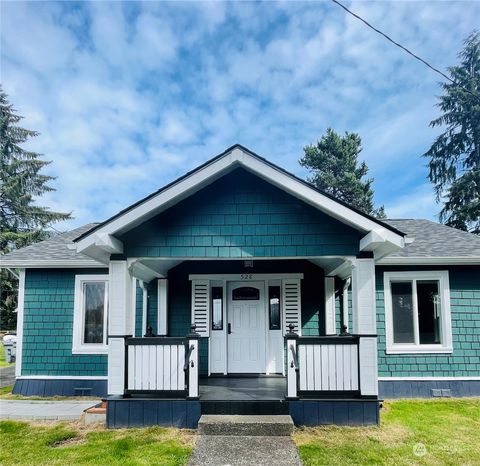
{"type": "Point", "coordinates": [246, 276]}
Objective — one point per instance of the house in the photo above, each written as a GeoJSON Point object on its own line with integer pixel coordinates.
{"type": "Point", "coordinates": [237, 269]}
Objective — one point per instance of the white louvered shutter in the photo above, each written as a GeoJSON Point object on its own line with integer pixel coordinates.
{"type": "Point", "coordinates": [292, 304]}
{"type": "Point", "coordinates": [201, 306]}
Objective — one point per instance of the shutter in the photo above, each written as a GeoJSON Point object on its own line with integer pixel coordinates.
{"type": "Point", "coordinates": [201, 306]}
{"type": "Point", "coordinates": [292, 305]}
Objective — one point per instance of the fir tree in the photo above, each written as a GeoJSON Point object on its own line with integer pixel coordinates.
{"type": "Point", "coordinates": [334, 168]}
{"type": "Point", "coordinates": [455, 155]}
{"type": "Point", "coordinates": [22, 221]}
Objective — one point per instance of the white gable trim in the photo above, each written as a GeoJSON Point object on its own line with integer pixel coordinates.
{"type": "Point", "coordinates": [211, 172]}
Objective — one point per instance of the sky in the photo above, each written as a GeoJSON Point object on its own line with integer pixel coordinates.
{"type": "Point", "coordinates": [129, 96]}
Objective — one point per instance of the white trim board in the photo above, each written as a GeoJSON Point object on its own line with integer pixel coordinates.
{"type": "Point", "coordinates": [208, 173]}
{"type": "Point", "coordinates": [429, 261]}
{"type": "Point", "coordinates": [51, 264]}
{"type": "Point", "coordinates": [20, 315]}
{"type": "Point", "coordinates": [420, 379]}
{"type": "Point", "coordinates": [64, 377]}
{"type": "Point", "coordinates": [240, 277]}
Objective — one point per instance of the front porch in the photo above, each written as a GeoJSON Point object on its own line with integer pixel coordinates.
{"type": "Point", "coordinates": [322, 386]}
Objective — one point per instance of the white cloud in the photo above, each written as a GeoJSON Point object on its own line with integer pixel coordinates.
{"type": "Point", "coordinates": [128, 96]}
{"type": "Point", "coordinates": [419, 202]}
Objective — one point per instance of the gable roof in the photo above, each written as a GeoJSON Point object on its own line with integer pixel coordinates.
{"type": "Point", "coordinates": [58, 250]}
{"type": "Point", "coordinates": [434, 243]}
{"type": "Point", "coordinates": [233, 157]}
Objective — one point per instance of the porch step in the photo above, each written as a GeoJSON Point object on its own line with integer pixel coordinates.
{"type": "Point", "coordinates": [270, 426]}
{"type": "Point", "coordinates": [245, 407]}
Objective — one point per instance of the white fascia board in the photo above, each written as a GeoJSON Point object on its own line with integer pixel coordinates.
{"type": "Point", "coordinates": [429, 261]}
{"type": "Point", "coordinates": [209, 173]}
{"type": "Point", "coordinates": [51, 264]}
{"type": "Point", "coordinates": [313, 197]}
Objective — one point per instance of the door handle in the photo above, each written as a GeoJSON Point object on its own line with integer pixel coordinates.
{"type": "Point", "coordinates": [229, 328]}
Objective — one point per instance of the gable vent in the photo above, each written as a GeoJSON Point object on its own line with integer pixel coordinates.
{"type": "Point", "coordinates": [201, 306]}
{"type": "Point", "coordinates": [292, 305]}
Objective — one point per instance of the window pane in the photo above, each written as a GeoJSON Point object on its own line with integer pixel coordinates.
{"type": "Point", "coordinates": [402, 308]}
{"type": "Point", "coordinates": [246, 293]}
{"type": "Point", "coordinates": [217, 315]}
{"type": "Point", "coordinates": [428, 311]}
{"type": "Point", "coordinates": [94, 303]}
{"type": "Point", "coordinates": [274, 307]}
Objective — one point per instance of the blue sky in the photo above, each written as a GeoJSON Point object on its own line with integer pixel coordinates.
{"type": "Point", "coordinates": [129, 96]}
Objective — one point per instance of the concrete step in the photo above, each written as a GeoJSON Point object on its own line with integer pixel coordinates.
{"type": "Point", "coordinates": [95, 414]}
{"type": "Point", "coordinates": [271, 426]}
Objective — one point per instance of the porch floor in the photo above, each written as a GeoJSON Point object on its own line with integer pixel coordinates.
{"type": "Point", "coordinates": [242, 388]}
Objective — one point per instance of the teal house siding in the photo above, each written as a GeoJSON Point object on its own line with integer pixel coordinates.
{"type": "Point", "coordinates": [465, 311]}
{"type": "Point", "coordinates": [238, 216]}
{"type": "Point", "coordinates": [48, 326]}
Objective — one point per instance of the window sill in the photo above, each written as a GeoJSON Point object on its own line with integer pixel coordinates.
{"type": "Point", "coordinates": [419, 349]}
{"type": "Point", "coordinates": [84, 349]}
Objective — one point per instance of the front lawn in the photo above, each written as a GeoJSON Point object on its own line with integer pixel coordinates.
{"type": "Point", "coordinates": [55, 443]}
{"type": "Point", "coordinates": [412, 432]}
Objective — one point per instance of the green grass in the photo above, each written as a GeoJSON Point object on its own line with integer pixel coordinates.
{"type": "Point", "coordinates": [3, 363]}
{"type": "Point", "coordinates": [56, 443]}
{"type": "Point", "coordinates": [448, 429]}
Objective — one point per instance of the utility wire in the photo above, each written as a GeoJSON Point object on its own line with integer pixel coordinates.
{"type": "Point", "coordinates": [404, 48]}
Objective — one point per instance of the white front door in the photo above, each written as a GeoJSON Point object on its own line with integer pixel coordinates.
{"type": "Point", "coordinates": [246, 327]}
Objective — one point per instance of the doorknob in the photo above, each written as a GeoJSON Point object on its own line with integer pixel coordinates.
{"type": "Point", "coordinates": [229, 328]}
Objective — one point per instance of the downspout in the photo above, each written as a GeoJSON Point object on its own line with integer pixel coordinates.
{"type": "Point", "coordinates": [144, 306]}
{"type": "Point", "coordinates": [346, 286]}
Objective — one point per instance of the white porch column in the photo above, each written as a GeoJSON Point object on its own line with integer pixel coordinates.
{"type": "Point", "coordinates": [162, 306]}
{"type": "Point", "coordinates": [365, 322]}
{"type": "Point", "coordinates": [119, 323]}
{"type": "Point", "coordinates": [330, 327]}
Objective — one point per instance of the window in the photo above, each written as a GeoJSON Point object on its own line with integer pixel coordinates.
{"type": "Point", "coordinates": [246, 293]}
{"type": "Point", "coordinates": [417, 308]}
{"type": "Point", "coordinates": [90, 314]}
{"type": "Point", "coordinates": [217, 308]}
{"type": "Point", "coordinates": [274, 307]}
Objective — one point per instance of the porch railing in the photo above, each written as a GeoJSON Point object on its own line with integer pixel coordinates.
{"type": "Point", "coordinates": [165, 366]}
{"type": "Point", "coordinates": [325, 365]}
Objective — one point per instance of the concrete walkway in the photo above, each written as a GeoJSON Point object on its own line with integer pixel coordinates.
{"type": "Point", "coordinates": [7, 375]}
{"type": "Point", "coordinates": [255, 440]}
{"type": "Point", "coordinates": [43, 410]}
{"type": "Point", "coordinates": [223, 450]}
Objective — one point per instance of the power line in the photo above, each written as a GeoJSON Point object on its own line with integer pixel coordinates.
{"type": "Point", "coordinates": [404, 48]}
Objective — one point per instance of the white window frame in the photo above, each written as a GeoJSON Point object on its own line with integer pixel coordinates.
{"type": "Point", "coordinates": [78, 347]}
{"type": "Point", "coordinates": [441, 276]}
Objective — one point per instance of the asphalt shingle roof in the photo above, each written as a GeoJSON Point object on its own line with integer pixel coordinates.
{"type": "Point", "coordinates": [435, 240]}
{"type": "Point", "coordinates": [430, 240]}
{"type": "Point", "coordinates": [56, 248]}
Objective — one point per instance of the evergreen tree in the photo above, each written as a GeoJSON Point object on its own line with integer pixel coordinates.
{"type": "Point", "coordinates": [334, 168]}
{"type": "Point", "coordinates": [22, 222]}
{"type": "Point", "coordinates": [455, 155]}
